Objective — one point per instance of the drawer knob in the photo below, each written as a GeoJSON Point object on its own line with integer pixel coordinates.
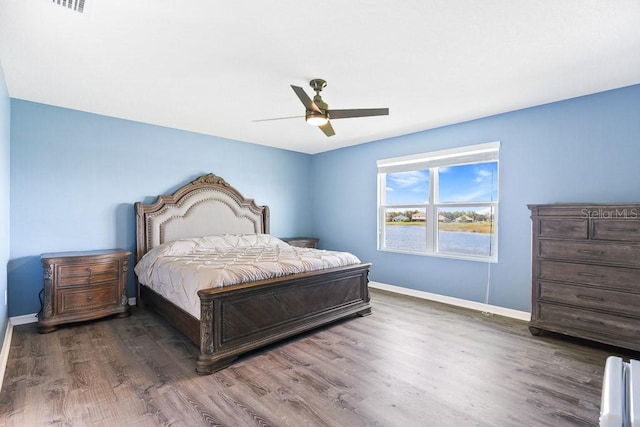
{"type": "Point", "coordinates": [89, 298]}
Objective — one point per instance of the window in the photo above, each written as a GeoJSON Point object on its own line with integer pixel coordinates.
{"type": "Point", "coordinates": [441, 203]}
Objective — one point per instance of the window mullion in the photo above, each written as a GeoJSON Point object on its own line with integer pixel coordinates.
{"type": "Point", "coordinates": [432, 215]}
{"type": "Point", "coordinates": [382, 202]}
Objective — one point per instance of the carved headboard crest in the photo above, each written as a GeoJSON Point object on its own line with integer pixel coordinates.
{"type": "Point", "coordinates": [210, 178]}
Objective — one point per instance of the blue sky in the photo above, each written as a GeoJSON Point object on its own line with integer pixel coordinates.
{"type": "Point", "coordinates": [465, 183]}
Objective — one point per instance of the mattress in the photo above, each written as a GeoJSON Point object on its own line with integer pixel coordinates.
{"type": "Point", "coordinates": [178, 270]}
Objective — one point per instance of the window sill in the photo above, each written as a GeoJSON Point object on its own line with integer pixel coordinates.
{"type": "Point", "coordinates": [491, 260]}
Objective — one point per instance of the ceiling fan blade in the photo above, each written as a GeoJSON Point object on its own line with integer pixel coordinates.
{"type": "Point", "coordinates": [277, 118]}
{"type": "Point", "coordinates": [308, 103]}
{"type": "Point", "coordinates": [363, 112]}
{"type": "Point", "coordinates": [327, 129]}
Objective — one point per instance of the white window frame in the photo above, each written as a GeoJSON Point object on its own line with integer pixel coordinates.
{"type": "Point", "coordinates": [480, 153]}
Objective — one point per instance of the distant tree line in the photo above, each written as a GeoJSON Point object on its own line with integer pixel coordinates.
{"type": "Point", "coordinates": [448, 216]}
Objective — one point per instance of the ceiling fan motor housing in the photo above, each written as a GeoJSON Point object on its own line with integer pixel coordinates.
{"type": "Point", "coordinates": [318, 84]}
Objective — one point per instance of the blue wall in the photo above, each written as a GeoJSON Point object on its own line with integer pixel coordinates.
{"type": "Point", "coordinates": [5, 119]}
{"type": "Point", "coordinates": [75, 177]}
{"type": "Point", "coordinates": [585, 149]}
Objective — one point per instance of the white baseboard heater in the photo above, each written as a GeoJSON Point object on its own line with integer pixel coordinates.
{"type": "Point", "coordinates": [620, 405]}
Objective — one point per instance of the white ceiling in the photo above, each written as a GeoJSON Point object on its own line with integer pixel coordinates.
{"type": "Point", "coordinates": [214, 67]}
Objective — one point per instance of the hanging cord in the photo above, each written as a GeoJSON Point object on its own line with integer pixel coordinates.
{"type": "Point", "coordinates": [41, 302]}
{"type": "Point", "coordinates": [486, 295]}
{"type": "Point", "coordinates": [492, 218]}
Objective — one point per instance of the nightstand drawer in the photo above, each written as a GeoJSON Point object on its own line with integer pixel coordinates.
{"type": "Point", "coordinates": [80, 299]}
{"type": "Point", "coordinates": [302, 242]}
{"type": "Point", "coordinates": [69, 275]}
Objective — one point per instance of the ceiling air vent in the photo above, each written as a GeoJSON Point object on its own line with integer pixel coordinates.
{"type": "Point", "coordinates": [77, 5]}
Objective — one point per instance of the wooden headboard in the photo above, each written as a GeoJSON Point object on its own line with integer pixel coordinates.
{"type": "Point", "coordinates": [204, 207]}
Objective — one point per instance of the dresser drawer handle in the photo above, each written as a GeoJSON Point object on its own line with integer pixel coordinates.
{"type": "Point", "coordinates": [89, 298]}
{"type": "Point", "coordinates": [590, 252]}
{"type": "Point", "coordinates": [90, 270]}
{"type": "Point", "coordinates": [590, 297]}
{"type": "Point", "coordinates": [594, 322]}
{"type": "Point", "coordinates": [589, 274]}
{"type": "Point", "coordinates": [632, 230]}
{"type": "Point", "coordinates": [562, 229]}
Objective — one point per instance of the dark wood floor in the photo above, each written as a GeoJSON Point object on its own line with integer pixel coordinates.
{"type": "Point", "coordinates": [411, 363]}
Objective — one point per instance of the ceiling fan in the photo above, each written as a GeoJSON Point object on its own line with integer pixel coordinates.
{"type": "Point", "coordinates": [317, 111]}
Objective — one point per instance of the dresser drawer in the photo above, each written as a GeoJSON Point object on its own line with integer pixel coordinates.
{"type": "Point", "coordinates": [616, 229]}
{"type": "Point", "coordinates": [621, 253]}
{"type": "Point", "coordinates": [82, 299]}
{"type": "Point", "coordinates": [586, 297]}
{"type": "Point", "coordinates": [569, 318]}
{"type": "Point", "coordinates": [82, 274]}
{"type": "Point", "coordinates": [624, 279]}
{"type": "Point", "coordinates": [573, 228]}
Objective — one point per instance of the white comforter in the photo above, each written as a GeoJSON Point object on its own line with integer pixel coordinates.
{"type": "Point", "coordinates": [178, 270]}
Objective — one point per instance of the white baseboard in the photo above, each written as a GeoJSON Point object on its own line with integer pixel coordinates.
{"type": "Point", "coordinates": [24, 319]}
{"type": "Point", "coordinates": [4, 354]}
{"type": "Point", "coordinates": [478, 306]}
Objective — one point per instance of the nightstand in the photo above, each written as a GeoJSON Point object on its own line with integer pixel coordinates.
{"type": "Point", "coordinates": [83, 286]}
{"type": "Point", "coordinates": [302, 242]}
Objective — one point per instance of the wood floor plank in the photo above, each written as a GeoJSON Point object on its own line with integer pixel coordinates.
{"type": "Point", "coordinates": [411, 363]}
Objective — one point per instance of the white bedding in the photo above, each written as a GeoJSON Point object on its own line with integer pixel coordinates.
{"type": "Point", "coordinates": [178, 270]}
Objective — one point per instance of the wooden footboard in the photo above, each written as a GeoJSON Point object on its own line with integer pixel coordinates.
{"type": "Point", "coordinates": [244, 317]}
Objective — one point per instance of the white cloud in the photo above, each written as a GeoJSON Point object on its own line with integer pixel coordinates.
{"type": "Point", "coordinates": [407, 179]}
{"type": "Point", "coordinates": [482, 174]}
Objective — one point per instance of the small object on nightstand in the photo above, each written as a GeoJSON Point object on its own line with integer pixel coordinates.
{"type": "Point", "coordinates": [302, 242]}
{"type": "Point", "coordinates": [83, 286]}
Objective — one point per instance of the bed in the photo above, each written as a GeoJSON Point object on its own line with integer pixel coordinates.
{"type": "Point", "coordinates": [237, 318]}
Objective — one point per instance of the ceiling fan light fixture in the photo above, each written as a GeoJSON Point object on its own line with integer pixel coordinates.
{"type": "Point", "coordinates": [316, 119]}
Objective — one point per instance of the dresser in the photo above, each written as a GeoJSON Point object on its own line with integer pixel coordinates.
{"type": "Point", "coordinates": [302, 242]}
{"type": "Point", "coordinates": [586, 272]}
{"type": "Point", "coordinates": [83, 286]}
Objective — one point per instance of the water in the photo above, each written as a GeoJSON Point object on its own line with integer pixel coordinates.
{"type": "Point", "coordinates": [414, 238]}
